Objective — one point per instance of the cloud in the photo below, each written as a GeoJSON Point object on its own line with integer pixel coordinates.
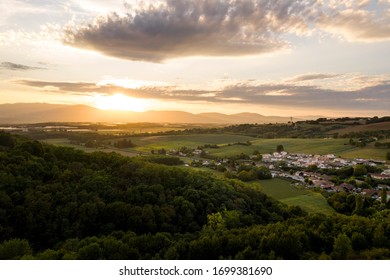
{"type": "Point", "coordinates": [358, 22]}
{"type": "Point", "coordinates": [295, 96]}
{"type": "Point", "coordinates": [18, 67]}
{"type": "Point", "coordinates": [310, 77]}
{"type": "Point", "coordinates": [159, 30]}
{"type": "Point", "coordinates": [376, 93]}
{"type": "Point", "coordinates": [171, 29]}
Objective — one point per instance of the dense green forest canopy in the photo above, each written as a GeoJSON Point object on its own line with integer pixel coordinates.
{"type": "Point", "coordinates": [62, 203]}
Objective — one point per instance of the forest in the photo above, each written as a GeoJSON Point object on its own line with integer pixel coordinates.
{"type": "Point", "coordinates": [62, 203]}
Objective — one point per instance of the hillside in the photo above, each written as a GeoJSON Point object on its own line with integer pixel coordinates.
{"type": "Point", "coordinates": [38, 112]}
{"type": "Point", "coordinates": [61, 203]}
{"type": "Point", "coordinates": [363, 128]}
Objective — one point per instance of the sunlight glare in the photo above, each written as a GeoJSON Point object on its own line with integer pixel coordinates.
{"type": "Point", "coordinates": [121, 102]}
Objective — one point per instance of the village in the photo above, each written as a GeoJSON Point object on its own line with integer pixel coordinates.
{"type": "Point", "coordinates": [314, 179]}
{"type": "Point", "coordinates": [309, 170]}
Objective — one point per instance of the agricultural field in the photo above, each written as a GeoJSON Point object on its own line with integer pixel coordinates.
{"type": "Point", "coordinates": [287, 193]}
{"type": "Point", "coordinates": [191, 141]}
{"type": "Point", "coordinates": [66, 143]}
{"type": "Point", "coordinates": [309, 146]}
{"type": "Point", "coordinates": [369, 152]}
{"type": "Point", "coordinates": [339, 147]}
{"type": "Point", "coordinates": [362, 128]}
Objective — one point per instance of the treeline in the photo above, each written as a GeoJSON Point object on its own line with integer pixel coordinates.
{"type": "Point", "coordinates": [62, 203]}
{"type": "Point", "coordinates": [248, 173]}
{"type": "Point", "coordinates": [319, 128]}
{"type": "Point", "coordinates": [316, 236]}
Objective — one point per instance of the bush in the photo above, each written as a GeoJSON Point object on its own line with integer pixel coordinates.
{"type": "Point", "coordinates": [14, 249]}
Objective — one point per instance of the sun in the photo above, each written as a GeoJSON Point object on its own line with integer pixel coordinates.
{"type": "Point", "coordinates": [120, 102]}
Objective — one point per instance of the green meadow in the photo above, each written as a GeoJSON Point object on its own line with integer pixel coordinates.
{"type": "Point", "coordinates": [339, 147]}
{"type": "Point", "coordinates": [66, 143]}
{"type": "Point", "coordinates": [190, 141]}
{"type": "Point", "coordinates": [289, 194]}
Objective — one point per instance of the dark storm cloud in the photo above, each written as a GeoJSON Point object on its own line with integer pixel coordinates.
{"type": "Point", "coordinates": [18, 67]}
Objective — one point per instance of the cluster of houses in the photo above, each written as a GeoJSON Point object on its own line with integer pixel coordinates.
{"type": "Point", "coordinates": [302, 162]}
{"type": "Point", "coordinates": [321, 161]}
{"type": "Point", "coordinates": [317, 180]}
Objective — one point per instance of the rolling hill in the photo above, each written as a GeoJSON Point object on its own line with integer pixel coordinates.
{"type": "Point", "coordinates": [42, 112]}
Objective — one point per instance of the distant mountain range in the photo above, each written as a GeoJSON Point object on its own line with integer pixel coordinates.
{"type": "Point", "coordinates": [42, 112]}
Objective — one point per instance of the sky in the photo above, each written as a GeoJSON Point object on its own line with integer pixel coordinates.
{"type": "Point", "coordinates": [272, 57]}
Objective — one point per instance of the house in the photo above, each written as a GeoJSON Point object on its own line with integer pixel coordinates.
{"type": "Point", "coordinates": [380, 187]}
{"type": "Point", "coordinates": [328, 187]}
{"type": "Point", "coordinates": [197, 152]}
{"type": "Point", "coordinates": [386, 172]}
{"type": "Point", "coordinates": [347, 187]}
{"type": "Point", "coordinates": [370, 193]}
{"type": "Point", "coordinates": [359, 182]}
{"type": "Point", "coordinates": [338, 188]}
{"type": "Point", "coordinates": [323, 184]}
{"type": "Point", "coordinates": [380, 176]}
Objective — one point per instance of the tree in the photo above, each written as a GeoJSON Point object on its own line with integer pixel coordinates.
{"type": "Point", "coordinates": [279, 148]}
{"type": "Point", "coordinates": [14, 249]}
{"type": "Point", "coordinates": [124, 143]}
{"type": "Point", "coordinates": [6, 140]}
{"type": "Point", "coordinates": [342, 247]}
{"type": "Point", "coordinates": [246, 175]}
{"type": "Point", "coordinates": [215, 221]}
{"type": "Point", "coordinates": [359, 170]}
{"type": "Point", "coordinates": [358, 205]}
{"type": "Point", "coordinates": [91, 251]}
{"type": "Point", "coordinates": [312, 168]}
{"type": "Point", "coordinates": [379, 238]}
{"type": "Point", "coordinates": [384, 195]}
{"type": "Point", "coordinates": [263, 173]}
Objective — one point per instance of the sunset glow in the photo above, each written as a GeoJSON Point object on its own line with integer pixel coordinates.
{"type": "Point", "coordinates": [285, 58]}
{"type": "Point", "coordinates": [120, 102]}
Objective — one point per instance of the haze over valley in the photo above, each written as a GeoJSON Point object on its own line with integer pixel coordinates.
{"type": "Point", "coordinates": [38, 113]}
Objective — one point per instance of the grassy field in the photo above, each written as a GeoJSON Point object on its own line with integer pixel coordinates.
{"type": "Point", "coordinates": [369, 152]}
{"type": "Point", "coordinates": [308, 146]}
{"type": "Point", "coordinates": [191, 141]}
{"type": "Point", "coordinates": [360, 128]}
{"type": "Point", "coordinates": [339, 147]}
{"type": "Point", "coordinates": [283, 191]}
{"type": "Point", "coordinates": [66, 143]}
